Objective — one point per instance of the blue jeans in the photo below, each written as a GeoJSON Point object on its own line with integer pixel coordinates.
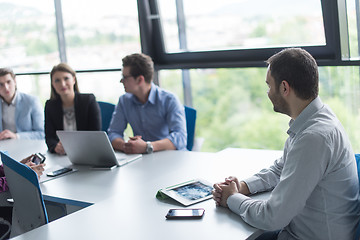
{"type": "Point", "coordinates": [270, 235]}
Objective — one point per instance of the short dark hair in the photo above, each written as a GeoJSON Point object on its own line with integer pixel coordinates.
{"type": "Point", "coordinates": [140, 64]}
{"type": "Point", "coordinates": [6, 71]}
{"type": "Point", "coordinates": [62, 67]}
{"type": "Point", "coordinates": [299, 69]}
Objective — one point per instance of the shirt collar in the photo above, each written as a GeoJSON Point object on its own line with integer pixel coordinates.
{"type": "Point", "coordinates": [296, 125]}
{"type": "Point", "coordinates": [152, 94]}
{"type": "Point", "coordinates": [151, 98]}
{"type": "Point", "coordinates": [13, 102]}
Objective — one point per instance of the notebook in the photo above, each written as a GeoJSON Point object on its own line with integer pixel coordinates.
{"type": "Point", "coordinates": [93, 148]}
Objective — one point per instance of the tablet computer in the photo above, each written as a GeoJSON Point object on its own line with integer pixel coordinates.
{"type": "Point", "coordinates": [190, 192]}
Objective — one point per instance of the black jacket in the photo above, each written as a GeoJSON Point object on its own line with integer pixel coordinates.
{"type": "Point", "coordinates": [87, 115]}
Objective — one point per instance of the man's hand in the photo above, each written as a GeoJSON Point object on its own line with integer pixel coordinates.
{"type": "Point", "coordinates": [241, 186]}
{"type": "Point", "coordinates": [135, 145]}
{"type": "Point", "coordinates": [223, 191]}
{"type": "Point", "coordinates": [59, 149]}
{"type": "Point", "coordinates": [7, 134]}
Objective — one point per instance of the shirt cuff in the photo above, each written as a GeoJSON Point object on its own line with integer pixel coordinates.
{"type": "Point", "coordinates": [254, 184]}
{"type": "Point", "coordinates": [113, 136]}
{"type": "Point", "coordinates": [234, 202]}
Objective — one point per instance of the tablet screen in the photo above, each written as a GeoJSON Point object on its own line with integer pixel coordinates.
{"type": "Point", "coordinates": [193, 191]}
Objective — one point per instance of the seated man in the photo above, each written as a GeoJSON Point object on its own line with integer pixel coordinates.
{"type": "Point", "coordinates": [21, 115]}
{"type": "Point", "coordinates": [315, 187]}
{"type": "Point", "coordinates": [156, 116]}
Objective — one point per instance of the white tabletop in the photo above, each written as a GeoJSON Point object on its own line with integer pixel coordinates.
{"type": "Point", "coordinates": [124, 198]}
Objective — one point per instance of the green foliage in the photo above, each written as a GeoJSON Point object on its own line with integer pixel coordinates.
{"type": "Point", "coordinates": [234, 110]}
{"type": "Point", "coordinates": [39, 47]}
{"type": "Point", "coordinates": [97, 39]}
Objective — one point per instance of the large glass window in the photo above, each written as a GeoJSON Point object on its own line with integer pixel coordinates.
{"type": "Point", "coordinates": [353, 27]}
{"type": "Point", "coordinates": [28, 39]}
{"type": "Point", "coordinates": [233, 24]}
{"type": "Point", "coordinates": [233, 109]}
{"type": "Point", "coordinates": [105, 85]}
{"type": "Point", "coordinates": [99, 34]}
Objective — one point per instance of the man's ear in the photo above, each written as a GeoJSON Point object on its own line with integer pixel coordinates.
{"type": "Point", "coordinates": [284, 88]}
{"type": "Point", "coordinates": [15, 83]}
{"type": "Point", "coordinates": [140, 79]}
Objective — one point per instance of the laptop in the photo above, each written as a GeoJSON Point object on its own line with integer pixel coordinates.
{"type": "Point", "coordinates": [93, 148]}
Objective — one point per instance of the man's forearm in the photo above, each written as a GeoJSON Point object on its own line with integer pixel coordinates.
{"type": "Point", "coordinates": [163, 144]}
{"type": "Point", "coordinates": [118, 144]}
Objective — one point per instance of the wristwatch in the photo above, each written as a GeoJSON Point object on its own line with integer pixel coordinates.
{"type": "Point", "coordinates": [149, 147]}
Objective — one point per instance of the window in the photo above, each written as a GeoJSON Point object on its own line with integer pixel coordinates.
{"type": "Point", "coordinates": [353, 25]}
{"type": "Point", "coordinates": [28, 39]}
{"type": "Point", "coordinates": [233, 109]}
{"type": "Point", "coordinates": [186, 34]}
{"type": "Point", "coordinates": [98, 34]}
{"type": "Point", "coordinates": [233, 24]}
{"type": "Point", "coordinates": [223, 44]}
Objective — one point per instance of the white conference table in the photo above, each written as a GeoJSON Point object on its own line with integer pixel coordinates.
{"type": "Point", "coordinates": [124, 203]}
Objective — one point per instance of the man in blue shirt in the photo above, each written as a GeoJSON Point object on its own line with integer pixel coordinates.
{"type": "Point", "coordinates": [156, 116]}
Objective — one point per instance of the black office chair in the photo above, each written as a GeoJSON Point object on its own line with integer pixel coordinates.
{"type": "Point", "coordinates": [5, 226]}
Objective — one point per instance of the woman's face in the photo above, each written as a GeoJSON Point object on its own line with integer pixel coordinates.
{"type": "Point", "coordinates": [63, 83]}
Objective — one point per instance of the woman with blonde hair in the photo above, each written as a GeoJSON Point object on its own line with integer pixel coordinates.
{"type": "Point", "coordinates": [68, 109]}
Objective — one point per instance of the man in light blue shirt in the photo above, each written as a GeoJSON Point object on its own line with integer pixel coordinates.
{"type": "Point", "coordinates": [315, 187]}
{"type": "Point", "coordinates": [156, 116]}
{"type": "Point", "coordinates": [21, 115]}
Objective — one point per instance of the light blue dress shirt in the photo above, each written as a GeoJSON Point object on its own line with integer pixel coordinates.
{"type": "Point", "coordinates": [29, 117]}
{"type": "Point", "coordinates": [162, 116]}
{"type": "Point", "coordinates": [315, 183]}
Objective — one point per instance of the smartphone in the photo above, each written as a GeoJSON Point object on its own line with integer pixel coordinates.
{"type": "Point", "coordinates": [185, 213]}
{"type": "Point", "coordinates": [58, 172]}
{"type": "Point", "coordinates": [38, 158]}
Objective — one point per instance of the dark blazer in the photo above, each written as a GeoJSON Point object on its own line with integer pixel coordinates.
{"type": "Point", "coordinates": [87, 115]}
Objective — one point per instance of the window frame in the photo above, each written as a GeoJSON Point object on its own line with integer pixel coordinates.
{"type": "Point", "coordinates": [335, 52]}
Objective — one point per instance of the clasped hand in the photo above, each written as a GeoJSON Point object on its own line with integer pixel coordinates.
{"type": "Point", "coordinates": [223, 190]}
{"type": "Point", "coordinates": [135, 145]}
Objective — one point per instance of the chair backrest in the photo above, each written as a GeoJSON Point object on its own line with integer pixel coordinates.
{"type": "Point", "coordinates": [357, 158]}
{"type": "Point", "coordinates": [107, 110]}
{"type": "Point", "coordinates": [29, 210]}
{"type": "Point", "coordinates": [190, 114]}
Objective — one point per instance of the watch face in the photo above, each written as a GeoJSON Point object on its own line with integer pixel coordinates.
{"type": "Point", "coordinates": [149, 147]}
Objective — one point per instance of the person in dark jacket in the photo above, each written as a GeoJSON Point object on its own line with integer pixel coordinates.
{"type": "Point", "coordinates": [68, 109]}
